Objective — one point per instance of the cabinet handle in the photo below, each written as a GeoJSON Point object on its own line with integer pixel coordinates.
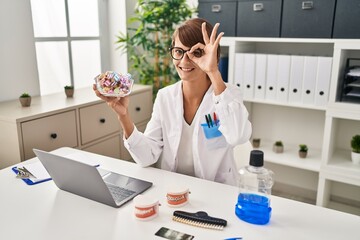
{"type": "Point", "coordinates": [308, 5]}
{"type": "Point", "coordinates": [53, 135]}
{"type": "Point", "coordinates": [102, 120]}
{"type": "Point", "coordinates": [138, 109]}
{"type": "Point", "coordinates": [257, 7]}
{"type": "Point", "coordinates": [215, 8]}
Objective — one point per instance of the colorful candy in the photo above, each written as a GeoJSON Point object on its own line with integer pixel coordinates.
{"type": "Point", "coordinates": [113, 84]}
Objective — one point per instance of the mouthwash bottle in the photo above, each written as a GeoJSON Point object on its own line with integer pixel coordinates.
{"type": "Point", "coordinates": [255, 183]}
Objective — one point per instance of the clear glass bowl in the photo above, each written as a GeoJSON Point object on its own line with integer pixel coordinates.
{"type": "Point", "coordinates": [113, 84]}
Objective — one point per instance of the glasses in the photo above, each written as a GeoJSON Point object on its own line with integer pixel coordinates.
{"type": "Point", "coordinates": [177, 53]}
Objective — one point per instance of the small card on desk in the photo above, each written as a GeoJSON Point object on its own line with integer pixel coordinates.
{"type": "Point", "coordinates": [173, 234]}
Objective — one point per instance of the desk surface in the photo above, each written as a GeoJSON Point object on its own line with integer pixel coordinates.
{"type": "Point", "coordinates": [43, 211]}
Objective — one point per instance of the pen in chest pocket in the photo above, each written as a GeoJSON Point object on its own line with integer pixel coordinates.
{"type": "Point", "coordinates": [210, 120]}
{"type": "Point", "coordinates": [207, 120]}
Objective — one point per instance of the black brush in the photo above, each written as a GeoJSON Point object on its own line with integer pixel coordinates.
{"type": "Point", "coordinates": [199, 219]}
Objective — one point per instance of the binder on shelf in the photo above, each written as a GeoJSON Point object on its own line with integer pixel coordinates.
{"type": "Point", "coordinates": [271, 76]}
{"type": "Point", "coordinates": [260, 76]}
{"type": "Point", "coordinates": [223, 67]}
{"type": "Point", "coordinates": [239, 67]}
{"type": "Point", "coordinates": [282, 84]}
{"type": "Point", "coordinates": [249, 75]}
{"type": "Point", "coordinates": [309, 79]}
{"type": "Point", "coordinates": [296, 79]}
{"type": "Point", "coordinates": [323, 79]}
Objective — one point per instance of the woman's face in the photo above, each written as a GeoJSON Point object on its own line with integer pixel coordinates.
{"type": "Point", "coordinates": [187, 69]}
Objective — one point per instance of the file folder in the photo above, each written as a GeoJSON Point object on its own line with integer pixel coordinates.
{"type": "Point", "coordinates": [282, 84]}
{"type": "Point", "coordinates": [249, 75]}
{"type": "Point", "coordinates": [296, 79]}
{"type": "Point", "coordinates": [239, 71]}
{"type": "Point", "coordinates": [271, 76]}
{"type": "Point", "coordinates": [323, 79]}
{"type": "Point", "coordinates": [260, 76]}
{"type": "Point", "coordinates": [309, 80]}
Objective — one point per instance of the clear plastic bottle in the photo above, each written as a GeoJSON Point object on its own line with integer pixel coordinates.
{"type": "Point", "coordinates": [255, 183]}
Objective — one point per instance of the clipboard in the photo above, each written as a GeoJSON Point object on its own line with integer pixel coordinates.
{"type": "Point", "coordinates": [27, 180]}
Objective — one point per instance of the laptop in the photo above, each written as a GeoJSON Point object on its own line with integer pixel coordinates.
{"type": "Point", "coordinates": [90, 182]}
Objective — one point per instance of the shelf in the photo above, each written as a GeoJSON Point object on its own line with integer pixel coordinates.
{"type": "Point", "coordinates": [344, 110]}
{"type": "Point", "coordinates": [290, 157]}
{"type": "Point", "coordinates": [343, 207]}
{"type": "Point", "coordinates": [296, 105]}
{"type": "Point", "coordinates": [341, 165]}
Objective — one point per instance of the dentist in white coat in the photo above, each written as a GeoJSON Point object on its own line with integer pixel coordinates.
{"type": "Point", "coordinates": [174, 136]}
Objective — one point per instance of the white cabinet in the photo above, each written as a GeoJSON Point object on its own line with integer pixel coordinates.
{"type": "Point", "coordinates": [327, 176]}
{"type": "Point", "coordinates": [53, 121]}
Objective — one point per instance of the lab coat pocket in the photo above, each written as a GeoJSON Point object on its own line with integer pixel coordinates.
{"type": "Point", "coordinates": [214, 138]}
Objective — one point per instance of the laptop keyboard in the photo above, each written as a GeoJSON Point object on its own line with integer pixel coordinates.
{"type": "Point", "coordinates": [118, 193]}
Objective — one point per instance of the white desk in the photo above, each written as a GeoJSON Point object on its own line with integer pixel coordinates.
{"type": "Point", "coordinates": [43, 211]}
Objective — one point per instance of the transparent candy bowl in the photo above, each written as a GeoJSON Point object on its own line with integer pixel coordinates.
{"type": "Point", "coordinates": [113, 84]}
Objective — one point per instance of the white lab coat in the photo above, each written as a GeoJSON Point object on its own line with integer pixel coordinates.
{"type": "Point", "coordinates": [213, 158]}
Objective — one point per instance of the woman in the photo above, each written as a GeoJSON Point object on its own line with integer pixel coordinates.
{"type": "Point", "coordinates": [174, 135]}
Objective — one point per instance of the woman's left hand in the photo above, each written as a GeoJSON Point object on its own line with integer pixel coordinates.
{"type": "Point", "coordinates": [208, 61]}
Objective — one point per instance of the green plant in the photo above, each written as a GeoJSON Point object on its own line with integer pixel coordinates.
{"type": "Point", "coordinates": [25, 95]}
{"type": "Point", "coordinates": [69, 87]}
{"type": "Point", "coordinates": [303, 148]}
{"type": "Point", "coordinates": [279, 143]}
{"type": "Point", "coordinates": [147, 45]}
{"type": "Point", "coordinates": [355, 143]}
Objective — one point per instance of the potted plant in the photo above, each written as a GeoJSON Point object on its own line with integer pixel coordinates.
{"type": "Point", "coordinates": [147, 44]}
{"type": "Point", "coordinates": [69, 91]}
{"type": "Point", "coordinates": [256, 142]}
{"type": "Point", "coordinates": [25, 99]}
{"type": "Point", "coordinates": [355, 146]}
{"type": "Point", "coordinates": [303, 150]}
{"type": "Point", "coordinates": [278, 147]}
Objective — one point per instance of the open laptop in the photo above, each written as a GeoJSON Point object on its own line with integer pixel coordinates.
{"type": "Point", "coordinates": [90, 182]}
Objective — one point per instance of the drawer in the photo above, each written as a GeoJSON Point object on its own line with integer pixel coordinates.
{"type": "Point", "coordinates": [307, 19]}
{"type": "Point", "coordinates": [347, 19]}
{"type": "Point", "coordinates": [259, 18]}
{"type": "Point", "coordinates": [223, 12]}
{"type": "Point", "coordinates": [49, 133]}
{"type": "Point", "coordinates": [140, 106]}
{"type": "Point", "coordinates": [97, 121]}
{"type": "Point", "coordinates": [109, 147]}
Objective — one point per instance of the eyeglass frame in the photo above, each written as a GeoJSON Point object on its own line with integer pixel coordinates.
{"type": "Point", "coordinates": [198, 54]}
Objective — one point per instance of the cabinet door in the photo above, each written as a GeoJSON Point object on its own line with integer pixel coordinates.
{"type": "Point", "coordinates": [307, 19]}
{"type": "Point", "coordinates": [223, 12]}
{"type": "Point", "coordinates": [97, 121]}
{"type": "Point", "coordinates": [109, 147]}
{"type": "Point", "coordinates": [49, 133]}
{"type": "Point", "coordinates": [140, 106]}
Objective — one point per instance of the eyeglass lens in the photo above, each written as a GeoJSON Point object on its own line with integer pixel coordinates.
{"type": "Point", "coordinates": [178, 53]}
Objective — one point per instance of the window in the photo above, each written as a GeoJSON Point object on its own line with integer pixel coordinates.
{"type": "Point", "coordinates": [70, 42]}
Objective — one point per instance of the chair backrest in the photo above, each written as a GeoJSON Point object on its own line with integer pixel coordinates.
{"type": "Point", "coordinates": [242, 154]}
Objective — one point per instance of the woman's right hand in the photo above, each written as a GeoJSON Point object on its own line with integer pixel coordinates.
{"type": "Point", "coordinates": [119, 105]}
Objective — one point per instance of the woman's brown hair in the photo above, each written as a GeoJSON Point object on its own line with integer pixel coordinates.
{"type": "Point", "coordinates": [190, 33]}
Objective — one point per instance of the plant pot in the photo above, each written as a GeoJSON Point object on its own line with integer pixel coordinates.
{"type": "Point", "coordinates": [69, 93]}
{"type": "Point", "coordinates": [302, 154]}
{"type": "Point", "coordinates": [25, 101]}
{"type": "Point", "coordinates": [256, 143]}
{"type": "Point", "coordinates": [278, 149]}
{"type": "Point", "coordinates": [355, 157]}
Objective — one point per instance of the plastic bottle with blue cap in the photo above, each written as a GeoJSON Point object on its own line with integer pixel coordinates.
{"type": "Point", "coordinates": [255, 183]}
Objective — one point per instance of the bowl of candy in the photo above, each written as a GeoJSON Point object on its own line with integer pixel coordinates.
{"type": "Point", "coordinates": [113, 84]}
